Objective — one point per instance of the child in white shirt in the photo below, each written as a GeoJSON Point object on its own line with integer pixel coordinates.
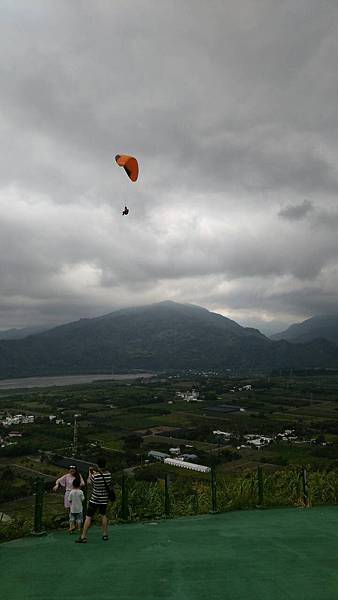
{"type": "Point", "coordinates": [76, 498]}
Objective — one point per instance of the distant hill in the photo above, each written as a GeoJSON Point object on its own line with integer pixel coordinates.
{"type": "Point", "coordinates": [161, 336]}
{"type": "Point", "coordinates": [325, 327]}
{"type": "Point", "coordinates": [17, 334]}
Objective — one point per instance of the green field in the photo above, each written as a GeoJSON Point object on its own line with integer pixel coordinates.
{"type": "Point", "coordinates": [112, 415]}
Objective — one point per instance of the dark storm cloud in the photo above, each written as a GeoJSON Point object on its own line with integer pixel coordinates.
{"type": "Point", "coordinates": [231, 108]}
{"type": "Point", "coordinates": [296, 212]}
{"type": "Point", "coordinates": [157, 77]}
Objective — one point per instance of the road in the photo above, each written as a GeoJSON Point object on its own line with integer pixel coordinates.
{"type": "Point", "coordinates": [33, 471]}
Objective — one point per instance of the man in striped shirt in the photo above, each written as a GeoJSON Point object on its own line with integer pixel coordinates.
{"type": "Point", "coordinates": [100, 480]}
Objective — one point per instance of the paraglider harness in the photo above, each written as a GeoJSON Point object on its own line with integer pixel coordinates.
{"type": "Point", "coordinates": [126, 210]}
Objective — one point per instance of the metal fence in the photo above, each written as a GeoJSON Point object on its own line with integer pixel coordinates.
{"type": "Point", "coordinates": [171, 496]}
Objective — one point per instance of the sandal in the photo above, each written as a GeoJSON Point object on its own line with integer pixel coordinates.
{"type": "Point", "coordinates": [105, 538]}
{"type": "Point", "coordinates": [81, 540]}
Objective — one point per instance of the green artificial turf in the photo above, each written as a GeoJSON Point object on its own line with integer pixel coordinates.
{"type": "Point", "coordinates": [276, 554]}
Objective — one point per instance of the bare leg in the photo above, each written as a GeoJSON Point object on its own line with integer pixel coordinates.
{"type": "Point", "coordinates": [87, 524]}
{"type": "Point", "coordinates": [105, 525]}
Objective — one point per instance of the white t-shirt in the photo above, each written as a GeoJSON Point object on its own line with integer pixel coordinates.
{"type": "Point", "coordinates": [76, 497]}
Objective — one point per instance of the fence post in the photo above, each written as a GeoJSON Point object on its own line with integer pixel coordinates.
{"type": "Point", "coordinates": [260, 485]}
{"type": "Point", "coordinates": [85, 501]}
{"type": "Point", "coordinates": [213, 491]}
{"type": "Point", "coordinates": [124, 506]}
{"type": "Point", "coordinates": [166, 496]}
{"type": "Point", "coordinates": [305, 487]}
{"type": "Point", "coordinates": [39, 486]}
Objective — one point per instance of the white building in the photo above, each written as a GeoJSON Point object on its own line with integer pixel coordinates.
{"type": "Point", "coordinates": [175, 451]}
{"type": "Point", "coordinates": [155, 455]}
{"type": "Point", "coordinates": [186, 465]}
{"type": "Point", "coordinates": [225, 434]}
{"type": "Point", "coordinates": [17, 420]}
{"type": "Point", "coordinates": [192, 396]}
{"type": "Point", "coordinates": [258, 441]}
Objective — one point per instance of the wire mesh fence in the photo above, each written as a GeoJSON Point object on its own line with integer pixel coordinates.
{"type": "Point", "coordinates": [174, 496]}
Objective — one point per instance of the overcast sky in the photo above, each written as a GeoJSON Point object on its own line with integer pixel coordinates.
{"type": "Point", "coordinates": [231, 110]}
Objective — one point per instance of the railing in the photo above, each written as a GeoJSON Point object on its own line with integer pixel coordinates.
{"type": "Point", "coordinates": [171, 496]}
{"type": "Point", "coordinates": [137, 500]}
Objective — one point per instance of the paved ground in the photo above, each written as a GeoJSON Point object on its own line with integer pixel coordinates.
{"type": "Point", "coordinates": [251, 555]}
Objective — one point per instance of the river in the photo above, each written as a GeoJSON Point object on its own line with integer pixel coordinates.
{"type": "Point", "coordinates": [61, 380]}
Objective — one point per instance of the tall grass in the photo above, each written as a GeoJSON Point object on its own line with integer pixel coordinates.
{"type": "Point", "coordinates": [193, 497]}
{"type": "Point", "coordinates": [146, 500]}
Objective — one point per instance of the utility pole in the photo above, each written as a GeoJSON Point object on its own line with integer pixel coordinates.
{"type": "Point", "coordinates": [75, 435]}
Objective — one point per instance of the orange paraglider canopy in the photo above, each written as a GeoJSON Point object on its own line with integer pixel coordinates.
{"type": "Point", "coordinates": [130, 165]}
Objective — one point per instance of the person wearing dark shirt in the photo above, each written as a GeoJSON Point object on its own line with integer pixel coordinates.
{"type": "Point", "coordinates": [100, 480]}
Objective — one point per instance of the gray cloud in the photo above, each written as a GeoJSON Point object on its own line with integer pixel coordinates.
{"type": "Point", "coordinates": [231, 109]}
{"type": "Point", "coordinates": [296, 212]}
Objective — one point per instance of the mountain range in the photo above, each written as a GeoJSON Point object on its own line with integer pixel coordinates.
{"type": "Point", "coordinates": [19, 333]}
{"type": "Point", "coordinates": [156, 337]}
{"type": "Point", "coordinates": [321, 326]}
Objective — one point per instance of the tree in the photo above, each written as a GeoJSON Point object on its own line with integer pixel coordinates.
{"type": "Point", "coordinates": [7, 474]}
{"type": "Point", "coordinates": [132, 442]}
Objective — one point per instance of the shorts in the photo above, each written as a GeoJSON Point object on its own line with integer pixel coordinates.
{"type": "Point", "coordinates": [93, 508]}
{"type": "Point", "coordinates": [75, 517]}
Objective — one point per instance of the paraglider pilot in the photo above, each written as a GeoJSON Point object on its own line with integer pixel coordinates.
{"type": "Point", "coordinates": [130, 165]}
